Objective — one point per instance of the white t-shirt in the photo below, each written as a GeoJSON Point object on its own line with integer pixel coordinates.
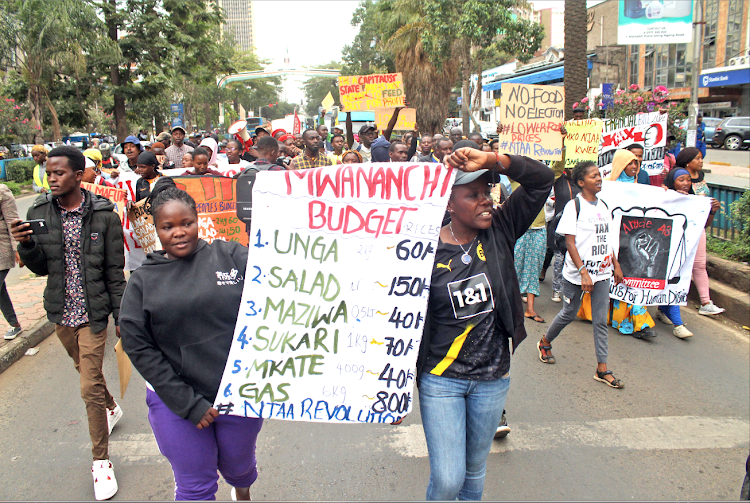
{"type": "Point", "coordinates": [365, 151]}
{"type": "Point", "coordinates": [593, 239]}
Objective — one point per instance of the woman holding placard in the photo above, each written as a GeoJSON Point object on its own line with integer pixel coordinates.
{"type": "Point", "coordinates": [474, 310]}
{"type": "Point", "coordinates": [180, 345]}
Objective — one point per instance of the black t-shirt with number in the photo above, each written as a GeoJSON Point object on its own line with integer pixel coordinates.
{"type": "Point", "coordinates": [464, 342]}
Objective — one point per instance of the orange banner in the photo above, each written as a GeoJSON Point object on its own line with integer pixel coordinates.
{"type": "Point", "coordinates": [117, 196]}
{"type": "Point", "coordinates": [215, 199]}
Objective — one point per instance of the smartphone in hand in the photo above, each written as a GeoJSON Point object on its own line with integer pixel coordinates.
{"type": "Point", "coordinates": [37, 226]}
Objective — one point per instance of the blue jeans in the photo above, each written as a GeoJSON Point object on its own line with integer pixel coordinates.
{"type": "Point", "coordinates": [459, 419]}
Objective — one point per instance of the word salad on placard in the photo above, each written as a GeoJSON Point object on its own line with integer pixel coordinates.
{"type": "Point", "coordinates": [335, 295]}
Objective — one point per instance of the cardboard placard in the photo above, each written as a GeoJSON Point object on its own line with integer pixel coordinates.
{"type": "Point", "coordinates": [215, 199]}
{"type": "Point", "coordinates": [117, 196]}
{"type": "Point", "coordinates": [335, 293]}
{"type": "Point", "coordinates": [531, 119]}
{"type": "Point", "coordinates": [143, 226]}
{"type": "Point", "coordinates": [368, 92]}
{"type": "Point", "coordinates": [582, 141]}
{"type": "Point", "coordinates": [407, 119]}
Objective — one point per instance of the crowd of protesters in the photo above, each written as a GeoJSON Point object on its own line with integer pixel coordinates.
{"type": "Point", "coordinates": [501, 221]}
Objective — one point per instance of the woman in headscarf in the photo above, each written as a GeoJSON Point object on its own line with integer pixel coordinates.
{"type": "Point", "coordinates": [691, 160]}
{"type": "Point", "coordinates": [629, 319]}
{"type": "Point", "coordinates": [213, 148]}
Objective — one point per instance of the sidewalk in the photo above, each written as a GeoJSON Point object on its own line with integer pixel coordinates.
{"type": "Point", "coordinates": [724, 174]}
{"type": "Point", "coordinates": [26, 294]}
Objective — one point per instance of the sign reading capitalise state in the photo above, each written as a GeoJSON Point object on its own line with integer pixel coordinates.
{"type": "Point", "coordinates": [647, 129]}
{"type": "Point", "coordinates": [655, 22]}
{"type": "Point", "coordinates": [368, 92]}
{"type": "Point", "coordinates": [657, 234]}
{"type": "Point", "coordinates": [531, 120]}
{"type": "Point", "coordinates": [335, 294]}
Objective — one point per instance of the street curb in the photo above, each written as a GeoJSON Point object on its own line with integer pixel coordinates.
{"type": "Point", "coordinates": [15, 349]}
{"type": "Point", "coordinates": [719, 163]}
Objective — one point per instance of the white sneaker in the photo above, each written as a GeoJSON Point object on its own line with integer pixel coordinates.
{"type": "Point", "coordinates": [682, 332]}
{"type": "Point", "coordinates": [113, 416]}
{"type": "Point", "coordinates": [12, 333]}
{"type": "Point", "coordinates": [663, 318]}
{"type": "Point", "coordinates": [710, 309]}
{"type": "Point", "coordinates": [105, 484]}
{"type": "Point", "coordinates": [556, 297]}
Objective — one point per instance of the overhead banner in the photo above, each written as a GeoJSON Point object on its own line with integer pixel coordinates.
{"type": "Point", "coordinates": [582, 141]}
{"type": "Point", "coordinates": [647, 129]}
{"type": "Point", "coordinates": [657, 234]}
{"type": "Point", "coordinates": [407, 119]}
{"type": "Point", "coordinates": [368, 92]}
{"type": "Point", "coordinates": [215, 201]}
{"type": "Point", "coordinates": [117, 196]}
{"type": "Point", "coordinates": [531, 120]}
{"type": "Point", "coordinates": [335, 294]}
{"type": "Point", "coordinates": [655, 22]}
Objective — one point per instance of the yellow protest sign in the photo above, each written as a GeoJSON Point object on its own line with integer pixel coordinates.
{"type": "Point", "coordinates": [582, 141]}
{"type": "Point", "coordinates": [531, 119]}
{"type": "Point", "coordinates": [327, 101]}
{"type": "Point", "coordinates": [368, 92]}
{"type": "Point", "coordinates": [407, 119]}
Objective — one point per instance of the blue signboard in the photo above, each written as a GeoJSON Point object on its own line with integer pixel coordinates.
{"type": "Point", "coordinates": [607, 92]}
{"type": "Point", "coordinates": [178, 115]}
{"type": "Point", "coordinates": [725, 78]}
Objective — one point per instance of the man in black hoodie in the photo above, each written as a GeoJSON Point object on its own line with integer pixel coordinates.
{"type": "Point", "coordinates": [82, 255]}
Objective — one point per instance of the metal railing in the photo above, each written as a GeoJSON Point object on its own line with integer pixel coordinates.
{"type": "Point", "coordinates": [722, 226]}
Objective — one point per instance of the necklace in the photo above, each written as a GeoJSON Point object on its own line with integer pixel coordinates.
{"type": "Point", "coordinates": [465, 258]}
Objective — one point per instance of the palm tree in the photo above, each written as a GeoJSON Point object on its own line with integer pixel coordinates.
{"type": "Point", "coordinates": [576, 69]}
{"type": "Point", "coordinates": [427, 87]}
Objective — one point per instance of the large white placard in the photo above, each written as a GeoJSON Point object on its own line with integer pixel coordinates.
{"type": "Point", "coordinates": [647, 129]}
{"type": "Point", "coordinates": [335, 293]}
{"type": "Point", "coordinates": [657, 234]}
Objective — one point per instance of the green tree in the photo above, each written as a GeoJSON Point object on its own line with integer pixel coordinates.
{"type": "Point", "coordinates": [316, 88]}
{"type": "Point", "coordinates": [164, 43]}
{"type": "Point", "coordinates": [366, 54]}
{"type": "Point", "coordinates": [460, 28]}
{"type": "Point", "coordinates": [52, 39]}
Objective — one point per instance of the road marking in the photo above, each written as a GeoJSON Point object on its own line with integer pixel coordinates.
{"type": "Point", "coordinates": [643, 433]}
{"type": "Point", "coordinates": [137, 448]}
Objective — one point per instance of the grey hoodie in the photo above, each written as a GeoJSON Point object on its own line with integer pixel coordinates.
{"type": "Point", "coordinates": [177, 320]}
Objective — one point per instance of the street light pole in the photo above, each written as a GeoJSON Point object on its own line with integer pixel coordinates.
{"type": "Point", "coordinates": [692, 130]}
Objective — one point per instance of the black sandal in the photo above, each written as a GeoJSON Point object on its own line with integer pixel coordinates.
{"type": "Point", "coordinates": [615, 383]}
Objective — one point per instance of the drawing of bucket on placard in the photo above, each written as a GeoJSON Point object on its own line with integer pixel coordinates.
{"type": "Point", "coordinates": [652, 248]}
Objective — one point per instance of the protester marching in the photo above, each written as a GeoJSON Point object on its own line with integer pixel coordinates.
{"type": "Point", "coordinates": [345, 271]}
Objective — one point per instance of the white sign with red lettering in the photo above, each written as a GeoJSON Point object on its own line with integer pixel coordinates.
{"type": "Point", "coordinates": [646, 129]}
{"type": "Point", "coordinates": [335, 293]}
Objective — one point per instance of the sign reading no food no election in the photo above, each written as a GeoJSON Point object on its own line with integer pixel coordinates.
{"type": "Point", "coordinates": [368, 92]}
{"type": "Point", "coordinates": [532, 116]}
{"type": "Point", "coordinates": [335, 293]}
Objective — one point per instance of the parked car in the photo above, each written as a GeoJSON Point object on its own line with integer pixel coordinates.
{"type": "Point", "coordinates": [710, 122]}
{"type": "Point", "coordinates": [733, 133]}
{"type": "Point", "coordinates": [118, 154]}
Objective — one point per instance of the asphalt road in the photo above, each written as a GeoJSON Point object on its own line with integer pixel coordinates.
{"type": "Point", "coordinates": [680, 430]}
{"type": "Point", "coordinates": [734, 157]}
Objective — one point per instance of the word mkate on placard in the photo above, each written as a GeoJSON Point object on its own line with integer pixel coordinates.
{"type": "Point", "coordinates": [336, 291]}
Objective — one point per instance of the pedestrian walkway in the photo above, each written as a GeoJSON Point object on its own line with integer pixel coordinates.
{"type": "Point", "coordinates": [27, 295]}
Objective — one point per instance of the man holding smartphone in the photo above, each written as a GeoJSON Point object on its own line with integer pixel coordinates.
{"type": "Point", "coordinates": [82, 255]}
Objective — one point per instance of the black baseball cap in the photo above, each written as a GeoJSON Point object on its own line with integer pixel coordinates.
{"type": "Point", "coordinates": [367, 127]}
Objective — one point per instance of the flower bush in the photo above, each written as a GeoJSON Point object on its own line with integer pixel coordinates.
{"type": "Point", "coordinates": [15, 122]}
{"type": "Point", "coordinates": [634, 101]}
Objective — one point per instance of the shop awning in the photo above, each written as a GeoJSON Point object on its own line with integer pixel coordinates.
{"type": "Point", "coordinates": [542, 76]}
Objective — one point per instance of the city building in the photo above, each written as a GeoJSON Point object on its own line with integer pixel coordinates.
{"type": "Point", "coordinates": [239, 22]}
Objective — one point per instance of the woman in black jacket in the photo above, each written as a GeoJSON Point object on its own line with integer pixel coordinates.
{"type": "Point", "coordinates": [180, 345]}
{"type": "Point", "coordinates": [474, 310]}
